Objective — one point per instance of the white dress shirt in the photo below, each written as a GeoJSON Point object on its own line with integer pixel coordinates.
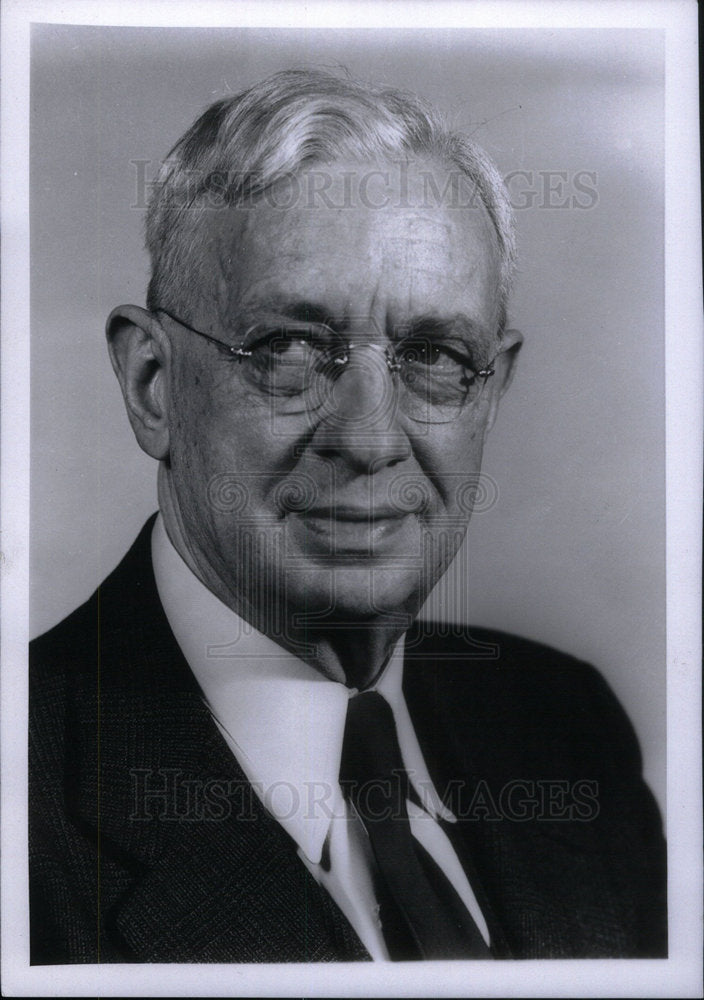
{"type": "Point", "coordinates": [284, 722]}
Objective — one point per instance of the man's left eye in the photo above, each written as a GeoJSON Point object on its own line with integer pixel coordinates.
{"type": "Point", "coordinates": [428, 354]}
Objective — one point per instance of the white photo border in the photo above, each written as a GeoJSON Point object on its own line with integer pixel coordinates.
{"type": "Point", "coordinates": [680, 974]}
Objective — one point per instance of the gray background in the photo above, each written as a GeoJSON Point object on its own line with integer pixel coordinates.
{"type": "Point", "coordinates": [572, 553]}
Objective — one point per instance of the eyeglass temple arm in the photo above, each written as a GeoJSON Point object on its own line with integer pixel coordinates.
{"type": "Point", "coordinates": [238, 352]}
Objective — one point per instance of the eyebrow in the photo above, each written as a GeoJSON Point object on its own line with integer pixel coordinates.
{"type": "Point", "coordinates": [458, 324]}
{"type": "Point", "coordinates": [429, 324]}
{"type": "Point", "coordinates": [302, 311]}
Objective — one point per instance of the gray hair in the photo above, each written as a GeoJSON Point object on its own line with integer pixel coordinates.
{"type": "Point", "coordinates": [242, 145]}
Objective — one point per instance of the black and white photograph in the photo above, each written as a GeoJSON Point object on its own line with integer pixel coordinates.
{"type": "Point", "coordinates": [351, 483]}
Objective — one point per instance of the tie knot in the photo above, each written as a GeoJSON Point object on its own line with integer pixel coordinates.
{"type": "Point", "coordinates": [371, 769]}
{"type": "Point", "coordinates": [370, 749]}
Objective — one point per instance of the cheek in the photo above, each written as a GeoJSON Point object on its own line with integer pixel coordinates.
{"type": "Point", "coordinates": [197, 437]}
{"type": "Point", "coordinates": [452, 461]}
{"type": "Point", "coordinates": [225, 451]}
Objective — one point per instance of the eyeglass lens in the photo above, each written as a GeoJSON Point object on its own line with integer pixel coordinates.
{"type": "Point", "coordinates": [432, 382]}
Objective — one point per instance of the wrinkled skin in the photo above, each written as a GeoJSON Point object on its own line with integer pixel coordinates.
{"type": "Point", "coordinates": [329, 527]}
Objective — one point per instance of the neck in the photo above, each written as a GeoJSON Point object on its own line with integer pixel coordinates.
{"type": "Point", "coordinates": [354, 655]}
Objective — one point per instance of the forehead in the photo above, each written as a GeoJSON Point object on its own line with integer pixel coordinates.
{"type": "Point", "coordinates": [359, 237]}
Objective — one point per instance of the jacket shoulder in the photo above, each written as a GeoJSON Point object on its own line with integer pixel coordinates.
{"type": "Point", "coordinates": [76, 639]}
{"type": "Point", "coordinates": [510, 683]}
{"type": "Point", "coordinates": [497, 712]}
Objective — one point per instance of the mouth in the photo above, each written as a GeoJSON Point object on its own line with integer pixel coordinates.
{"type": "Point", "coordinates": [355, 515]}
{"type": "Point", "coordinates": [353, 530]}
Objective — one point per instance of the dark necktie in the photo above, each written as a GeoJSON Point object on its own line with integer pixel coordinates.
{"type": "Point", "coordinates": [421, 914]}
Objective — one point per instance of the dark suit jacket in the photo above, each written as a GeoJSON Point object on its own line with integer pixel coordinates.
{"type": "Point", "coordinates": [147, 845]}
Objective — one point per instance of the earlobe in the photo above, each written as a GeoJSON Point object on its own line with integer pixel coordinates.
{"type": "Point", "coordinates": [140, 354]}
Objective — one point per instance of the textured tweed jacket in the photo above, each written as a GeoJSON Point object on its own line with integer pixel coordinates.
{"type": "Point", "coordinates": [147, 844]}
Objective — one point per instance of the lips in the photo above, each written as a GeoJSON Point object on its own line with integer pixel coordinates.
{"type": "Point", "coordinates": [351, 530]}
{"type": "Point", "coordinates": [363, 515]}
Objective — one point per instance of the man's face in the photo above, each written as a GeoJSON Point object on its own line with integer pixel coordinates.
{"type": "Point", "coordinates": [350, 510]}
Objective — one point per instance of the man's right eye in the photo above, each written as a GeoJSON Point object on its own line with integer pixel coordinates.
{"type": "Point", "coordinates": [295, 342]}
{"type": "Point", "coordinates": [280, 345]}
{"type": "Point", "coordinates": [283, 341]}
{"type": "Point", "coordinates": [285, 349]}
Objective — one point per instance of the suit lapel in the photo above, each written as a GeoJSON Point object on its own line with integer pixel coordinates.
{"type": "Point", "coordinates": [434, 729]}
{"type": "Point", "coordinates": [224, 891]}
{"type": "Point", "coordinates": [212, 877]}
{"type": "Point", "coordinates": [534, 880]}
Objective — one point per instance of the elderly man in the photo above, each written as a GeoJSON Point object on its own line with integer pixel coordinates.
{"type": "Point", "coordinates": [243, 747]}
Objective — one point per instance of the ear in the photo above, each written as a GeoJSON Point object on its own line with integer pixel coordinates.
{"type": "Point", "coordinates": [140, 354]}
{"type": "Point", "coordinates": [504, 370]}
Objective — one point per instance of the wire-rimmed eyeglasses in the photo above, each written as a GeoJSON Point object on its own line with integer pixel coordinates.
{"type": "Point", "coordinates": [296, 365]}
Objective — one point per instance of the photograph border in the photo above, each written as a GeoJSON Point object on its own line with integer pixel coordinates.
{"type": "Point", "coordinates": [680, 974]}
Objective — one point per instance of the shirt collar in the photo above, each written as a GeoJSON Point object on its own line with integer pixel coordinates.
{"type": "Point", "coordinates": [282, 719]}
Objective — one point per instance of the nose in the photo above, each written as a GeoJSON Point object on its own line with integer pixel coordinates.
{"type": "Point", "coordinates": [358, 422]}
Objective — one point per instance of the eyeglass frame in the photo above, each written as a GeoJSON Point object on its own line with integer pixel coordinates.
{"type": "Point", "coordinates": [392, 363]}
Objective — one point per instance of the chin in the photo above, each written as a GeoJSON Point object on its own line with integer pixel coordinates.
{"type": "Point", "coordinates": [343, 595]}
